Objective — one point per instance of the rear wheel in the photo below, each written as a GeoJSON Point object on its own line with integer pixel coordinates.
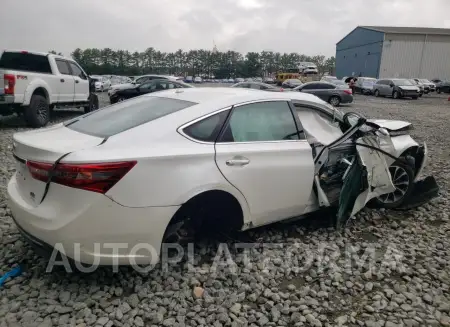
{"type": "Point", "coordinates": [402, 176]}
{"type": "Point", "coordinates": [335, 101]}
{"type": "Point", "coordinates": [37, 114]}
{"type": "Point", "coordinates": [210, 213]}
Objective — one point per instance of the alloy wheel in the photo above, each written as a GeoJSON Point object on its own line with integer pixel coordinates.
{"type": "Point", "coordinates": [400, 179]}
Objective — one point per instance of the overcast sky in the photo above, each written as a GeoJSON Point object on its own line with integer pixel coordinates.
{"type": "Point", "coordinates": [304, 26]}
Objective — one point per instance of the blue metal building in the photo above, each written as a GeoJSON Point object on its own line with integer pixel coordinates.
{"type": "Point", "coordinates": [388, 52]}
{"type": "Point", "coordinates": [359, 53]}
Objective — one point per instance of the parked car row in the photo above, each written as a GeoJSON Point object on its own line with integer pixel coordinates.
{"type": "Point", "coordinates": [150, 86]}
{"type": "Point", "coordinates": [335, 94]}
{"type": "Point", "coordinates": [393, 87]}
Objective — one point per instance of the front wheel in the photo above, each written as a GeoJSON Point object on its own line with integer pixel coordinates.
{"type": "Point", "coordinates": [402, 176]}
{"type": "Point", "coordinates": [334, 101]}
{"type": "Point", "coordinates": [93, 103]}
{"type": "Point", "coordinates": [395, 95]}
{"type": "Point", "coordinates": [377, 93]}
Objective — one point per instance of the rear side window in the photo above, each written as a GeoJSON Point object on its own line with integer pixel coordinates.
{"type": "Point", "coordinates": [125, 115]}
{"type": "Point", "coordinates": [25, 62]}
{"type": "Point", "coordinates": [208, 129]}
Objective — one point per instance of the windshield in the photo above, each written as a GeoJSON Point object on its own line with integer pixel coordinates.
{"type": "Point", "coordinates": [424, 80]}
{"type": "Point", "coordinates": [403, 82]}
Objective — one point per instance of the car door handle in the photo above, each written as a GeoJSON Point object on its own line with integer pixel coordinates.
{"type": "Point", "coordinates": [77, 81]}
{"type": "Point", "coordinates": [62, 80]}
{"type": "Point", "coordinates": [238, 161]}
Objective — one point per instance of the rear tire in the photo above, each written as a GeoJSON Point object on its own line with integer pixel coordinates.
{"type": "Point", "coordinates": [335, 101]}
{"type": "Point", "coordinates": [37, 114]}
{"type": "Point", "coordinates": [205, 215]}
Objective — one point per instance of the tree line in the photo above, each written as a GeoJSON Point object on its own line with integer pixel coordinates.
{"type": "Point", "coordinates": [203, 63]}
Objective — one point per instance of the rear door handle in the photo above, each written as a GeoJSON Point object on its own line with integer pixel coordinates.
{"type": "Point", "coordinates": [77, 81]}
{"type": "Point", "coordinates": [238, 161]}
{"type": "Point", "coordinates": [62, 80]}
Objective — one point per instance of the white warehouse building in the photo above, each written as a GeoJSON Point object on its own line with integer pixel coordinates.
{"type": "Point", "coordinates": [387, 52]}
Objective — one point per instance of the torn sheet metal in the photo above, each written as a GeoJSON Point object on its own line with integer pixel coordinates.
{"type": "Point", "coordinates": [378, 175]}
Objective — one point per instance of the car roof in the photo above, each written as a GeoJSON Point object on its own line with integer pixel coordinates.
{"type": "Point", "coordinates": [222, 97]}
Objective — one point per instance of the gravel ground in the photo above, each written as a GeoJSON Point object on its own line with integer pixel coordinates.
{"type": "Point", "coordinates": [388, 269]}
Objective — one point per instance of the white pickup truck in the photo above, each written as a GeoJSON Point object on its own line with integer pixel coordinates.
{"type": "Point", "coordinates": [35, 83]}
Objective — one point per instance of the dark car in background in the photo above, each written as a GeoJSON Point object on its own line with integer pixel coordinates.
{"type": "Point", "coordinates": [149, 87]}
{"type": "Point", "coordinates": [331, 93]}
{"type": "Point", "coordinates": [428, 83]}
{"type": "Point", "coordinates": [258, 86]}
{"type": "Point", "coordinates": [291, 83]}
{"type": "Point", "coordinates": [442, 85]}
{"type": "Point", "coordinates": [364, 85]}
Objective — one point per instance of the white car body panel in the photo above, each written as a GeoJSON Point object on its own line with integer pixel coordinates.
{"type": "Point", "coordinates": [378, 176]}
{"type": "Point", "coordinates": [283, 167]}
{"type": "Point", "coordinates": [277, 182]}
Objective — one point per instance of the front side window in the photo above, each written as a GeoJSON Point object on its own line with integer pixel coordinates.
{"type": "Point", "coordinates": [76, 71]}
{"type": "Point", "coordinates": [260, 122]}
{"type": "Point", "coordinates": [208, 129]}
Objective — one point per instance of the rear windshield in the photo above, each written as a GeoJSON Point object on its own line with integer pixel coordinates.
{"type": "Point", "coordinates": [125, 115]}
{"type": "Point", "coordinates": [25, 62]}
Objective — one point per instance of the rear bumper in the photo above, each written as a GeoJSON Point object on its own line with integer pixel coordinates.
{"type": "Point", "coordinates": [6, 99]}
{"type": "Point", "coordinates": [347, 98]}
{"type": "Point", "coordinates": [92, 229]}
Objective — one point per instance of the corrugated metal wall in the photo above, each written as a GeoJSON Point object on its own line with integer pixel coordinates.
{"type": "Point", "coordinates": [359, 53]}
{"type": "Point", "coordinates": [420, 56]}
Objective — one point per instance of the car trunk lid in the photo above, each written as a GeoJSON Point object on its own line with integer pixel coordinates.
{"type": "Point", "coordinates": [44, 147]}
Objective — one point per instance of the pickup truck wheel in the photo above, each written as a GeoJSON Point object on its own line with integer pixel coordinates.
{"type": "Point", "coordinates": [93, 103]}
{"type": "Point", "coordinates": [37, 114]}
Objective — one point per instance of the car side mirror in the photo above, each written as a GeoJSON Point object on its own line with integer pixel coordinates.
{"type": "Point", "coordinates": [391, 85]}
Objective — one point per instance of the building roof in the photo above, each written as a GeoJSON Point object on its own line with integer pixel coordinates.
{"type": "Point", "coordinates": [408, 30]}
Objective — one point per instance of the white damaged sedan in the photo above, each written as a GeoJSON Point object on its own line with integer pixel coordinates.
{"type": "Point", "coordinates": [163, 167]}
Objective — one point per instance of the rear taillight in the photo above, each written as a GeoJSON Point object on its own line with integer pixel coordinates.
{"type": "Point", "coordinates": [99, 177]}
{"type": "Point", "coordinates": [348, 91]}
{"type": "Point", "coordinates": [10, 82]}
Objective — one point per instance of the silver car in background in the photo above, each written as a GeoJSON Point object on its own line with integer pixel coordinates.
{"type": "Point", "coordinates": [396, 88]}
